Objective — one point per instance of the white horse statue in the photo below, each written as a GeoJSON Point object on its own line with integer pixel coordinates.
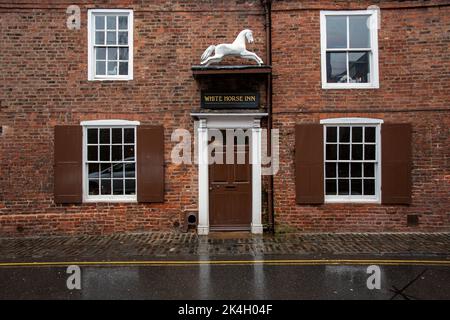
{"type": "Point", "coordinates": [237, 48]}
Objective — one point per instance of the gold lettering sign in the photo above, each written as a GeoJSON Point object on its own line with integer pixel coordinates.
{"type": "Point", "coordinates": [230, 100]}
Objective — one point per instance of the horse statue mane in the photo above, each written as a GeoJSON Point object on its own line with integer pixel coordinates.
{"type": "Point", "coordinates": [237, 48]}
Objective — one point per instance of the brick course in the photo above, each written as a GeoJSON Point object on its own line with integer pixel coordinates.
{"type": "Point", "coordinates": [44, 83]}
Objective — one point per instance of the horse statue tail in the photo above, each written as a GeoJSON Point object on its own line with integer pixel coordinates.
{"type": "Point", "coordinates": [208, 52]}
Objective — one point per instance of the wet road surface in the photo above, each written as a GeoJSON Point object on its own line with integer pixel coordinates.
{"type": "Point", "coordinates": [246, 279]}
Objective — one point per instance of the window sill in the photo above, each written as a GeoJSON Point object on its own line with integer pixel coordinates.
{"type": "Point", "coordinates": [105, 200]}
{"type": "Point", "coordinates": [352, 201]}
{"type": "Point", "coordinates": [349, 86]}
{"type": "Point", "coordinates": [112, 79]}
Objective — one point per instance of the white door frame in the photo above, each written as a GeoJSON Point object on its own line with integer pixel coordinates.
{"type": "Point", "coordinates": [228, 121]}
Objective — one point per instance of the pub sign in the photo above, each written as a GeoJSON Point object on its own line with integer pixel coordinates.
{"type": "Point", "coordinates": [246, 100]}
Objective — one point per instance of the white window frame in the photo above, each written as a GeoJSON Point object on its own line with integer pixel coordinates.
{"type": "Point", "coordinates": [91, 36]}
{"type": "Point", "coordinates": [106, 124]}
{"type": "Point", "coordinates": [355, 122]}
{"type": "Point", "coordinates": [373, 56]}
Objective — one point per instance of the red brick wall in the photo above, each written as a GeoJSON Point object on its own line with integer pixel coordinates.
{"type": "Point", "coordinates": [44, 83]}
{"type": "Point", "coordinates": [414, 50]}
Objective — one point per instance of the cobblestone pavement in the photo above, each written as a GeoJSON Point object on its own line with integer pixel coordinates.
{"type": "Point", "coordinates": [159, 245]}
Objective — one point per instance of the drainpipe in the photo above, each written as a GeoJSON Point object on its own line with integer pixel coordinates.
{"type": "Point", "coordinates": [267, 5]}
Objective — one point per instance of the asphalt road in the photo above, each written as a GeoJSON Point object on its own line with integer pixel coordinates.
{"type": "Point", "coordinates": [229, 279]}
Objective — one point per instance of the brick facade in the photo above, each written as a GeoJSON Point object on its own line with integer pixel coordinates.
{"type": "Point", "coordinates": [44, 83]}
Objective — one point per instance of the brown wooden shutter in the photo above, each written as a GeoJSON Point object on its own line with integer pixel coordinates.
{"type": "Point", "coordinates": [68, 150]}
{"type": "Point", "coordinates": [150, 164]}
{"type": "Point", "coordinates": [396, 163]}
{"type": "Point", "coordinates": [309, 164]}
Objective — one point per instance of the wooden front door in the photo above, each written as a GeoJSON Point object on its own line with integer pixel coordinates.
{"type": "Point", "coordinates": [230, 193]}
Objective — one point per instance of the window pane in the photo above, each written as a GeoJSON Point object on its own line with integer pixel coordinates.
{"type": "Point", "coordinates": [104, 136]}
{"type": "Point", "coordinates": [128, 153]}
{"type": "Point", "coordinates": [330, 170]}
{"type": "Point", "coordinates": [344, 152]}
{"type": "Point", "coordinates": [117, 186]}
{"type": "Point", "coordinates": [357, 134]}
{"type": "Point", "coordinates": [331, 134]}
{"type": "Point", "coordinates": [130, 186]}
{"type": "Point", "coordinates": [357, 151]}
{"type": "Point", "coordinates": [336, 67]}
{"type": "Point", "coordinates": [92, 136]}
{"type": "Point", "coordinates": [104, 153]}
{"type": "Point", "coordinates": [100, 37]}
{"type": "Point", "coordinates": [100, 53]}
{"type": "Point", "coordinates": [116, 135]}
{"type": "Point", "coordinates": [358, 67]}
{"type": "Point", "coordinates": [123, 22]}
{"type": "Point", "coordinates": [369, 187]}
{"type": "Point", "coordinates": [330, 187]}
{"type": "Point", "coordinates": [344, 134]}
{"type": "Point", "coordinates": [100, 68]}
{"type": "Point", "coordinates": [105, 170]}
{"type": "Point", "coordinates": [369, 170]}
{"type": "Point", "coordinates": [116, 153]}
{"type": "Point", "coordinates": [356, 186]}
{"type": "Point", "coordinates": [94, 170]}
{"type": "Point", "coordinates": [106, 187]}
{"type": "Point", "coordinates": [369, 134]}
{"type": "Point", "coordinates": [336, 31]}
{"type": "Point", "coordinates": [92, 153]}
{"type": "Point", "coordinates": [112, 54]}
{"type": "Point", "coordinates": [111, 37]}
{"type": "Point", "coordinates": [123, 37]}
{"type": "Point", "coordinates": [356, 170]}
{"type": "Point", "coordinates": [369, 152]}
{"type": "Point", "coordinates": [343, 186]}
{"type": "Point", "coordinates": [130, 170]}
{"type": "Point", "coordinates": [331, 151]}
{"type": "Point", "coordinates": [343, 170]}
{"type": "Point", "coordinates": [94, 187]}
{"type": "Point", "coordinates": [118, 170]}
{"type": "Point", "coordinates": [128, 135]}
{"type": "Point", "coordinates": [123, 53]}
{"type": "Point", "coordinates": [123, 68]}
{"type": "Point", "coordinates": [111, 22]}
{"type": "Point", "coordinates": [100, 22]}
{"type": "Point", "coordinates": [112, 68]}
{"type": "Point", "coordinates": [359, 32]}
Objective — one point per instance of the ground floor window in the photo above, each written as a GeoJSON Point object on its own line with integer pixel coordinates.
{"type": "Point", "coordinates": [109, 161]}
{"type": "Point", "coordinates": [352, 160]}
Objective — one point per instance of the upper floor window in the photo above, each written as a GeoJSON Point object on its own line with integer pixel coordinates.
{"type": "Point", "coordinates": [110, 38]}
{"type": "Point", "coordinates": [349, 49]}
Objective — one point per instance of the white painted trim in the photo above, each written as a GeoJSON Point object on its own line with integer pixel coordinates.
{"type": "Point", "coordinates": [354, 121]}
{"type": "Point", "coordinates": [105, 198]}
{"type": "Point", "coordinates": [110, 122]}
{"type": "Point", "coordinates": [229, 121]}
{"type": "Point", "coordinates": [247, 121]}
{"type": "Point", "coordinates": [256, 225]}
{"type": "Point", "coordinates": [91, 58]}
{"type": "Point", "coordinates": [203, 180]}
{"type": "Point", "coordinates": [212, 114]}
{"type": "Point", "coordinates": [373, 57]}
